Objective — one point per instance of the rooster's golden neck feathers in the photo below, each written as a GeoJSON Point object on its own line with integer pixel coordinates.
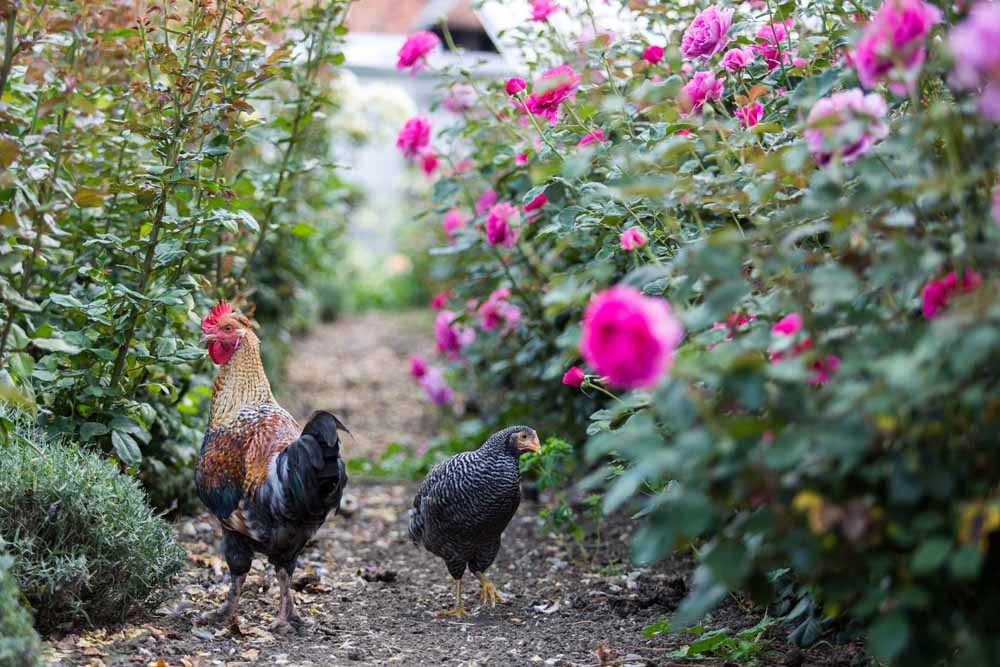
{"type": "Point", "coordinates": [239, 384]}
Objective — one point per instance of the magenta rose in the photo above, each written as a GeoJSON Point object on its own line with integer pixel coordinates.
{"type": "Point", "coordinates": [515, 85]}
{"type": "Point", "coordinates": [893, 46]}
{"type": "Point", "coordinates": [552, 89]}
{"type": "Point", "coordinates": [484, 202]}
{"type": "Point", "coordinates": [702, 87]}
{"type": "Point", "coordinates": [574, 376]}
{"type": "Point", "coordinates": [597, 135]}
{"type": "Point", "coordinates": [629, 337]}
{"type": "Point", "coordinates": [834, 122]}
{"type": "Point", "coordinates": [428, 162]}
{"type": "Point", "coordinates": [736, 59]}
{"type": "Point", "coordinates": [436, 387]}
{"type": "Point", "coordinates": [501, 225]}
{"type": "Point", "coordinates": [414, 137]}
{"type": "Point", "coordinates": [413, 53]}
{"type": "Point", "coordinates": [451, 336]}
{"type": "Point", "coordinates": [536, 203]}
{"type": "Point", "coordinates": [975, 45]}
{"type": "Point", "coordinates": [632, 238]}
{"type": "Point", "coordinates": [417, 366]}
{"type": "Point", "coordinates": [823, 367]}
{"type": "Point", "coordinates": [706, 35]}
{"type": "Point", "coordinates": [652, 54]}
{"type": "Point", "coordinates": [937, 293]}
{"type": "Point", "coordinates": [543, 9]}
{"type": "Point", "coordinates": [750, 114]}
{"type": "Point", "coordinates": [771, 44]}
{"type": "Point", "coordinates": [453, 221]}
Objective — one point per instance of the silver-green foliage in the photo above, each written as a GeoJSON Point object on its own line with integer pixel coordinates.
{"type": "Point", "coordinates": [86, 546]}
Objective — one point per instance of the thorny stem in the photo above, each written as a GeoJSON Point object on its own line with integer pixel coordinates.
{"type": "Point", "coordinates": [154, 235]}
{"type": "Point", "coordinates": [589, 384]}
{"type": "Point", "coordinates": [777, 43]}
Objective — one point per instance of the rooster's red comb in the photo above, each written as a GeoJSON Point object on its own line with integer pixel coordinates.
{"type": "Point", "coordinates": [220, 309]}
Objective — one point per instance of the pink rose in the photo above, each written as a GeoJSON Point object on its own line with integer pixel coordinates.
{"type": "Point", "coordinates": [521, 159]}
{"type": "Point", "coordinates": [542, 9]}
{"type": "Point", "coordinates": [428, 162]}
{"type": "Point", "coordinates": [702, 87]}
{"type": "Point", "coordinates": [597, 135]}
{"type": "Point", "coordinates": [451, 337]}
{"type": "Point", "coordinates": [788, 325]}
{"type": "Point", "coordinates": [417, 366]}
{"type": "Point", "coordinates": [771, 44]}
{"type": "Point", "coordinates": [484, 202]}
{"type": "Point", "coordinates": [629, 337]}
{"type": "Point", "coordinates": [496, 310]}
{"type": "Point", "coordinates": [937, 293]}
{"type": "Point", "coordinates": [574, 376]}
{"type": "Point", "coordinates": [706, 35]}
{"type": "Point", "coordinates": [413, 53]}
{"type": "Point", "coordinates": [832, 124]}
{"type": "Point", "coordinates": [551, 90]}
{"type": "Point", "coordinates": [501, 225]}
{"type": "Point", "coordinates": [975, 45]}
{"type": "Point", "coordinates": [515, 85]}
{"type": "Point", "coordinates": [823, 366]}
{"type": "Point", "coordinates": [736, 59]}
{"type": "Point", "coordinates": [632, 238]}
{"type": "Point", "coordinates": [440, 300]}
{"type": "Point", "coordinates": [892, 48]}
{"type": "Point", "coordinates": [652, 54]}
{"type": "Point", "coordinates": [453, 221]}
{"type": "Point", "coordinates": [436, 387]}
{"type": "Point", "coordinates": [750, 114]}
{"type": "Point", "coordinates": [536, 203]}
{"type": "Point", "coordinates": [414, 137]}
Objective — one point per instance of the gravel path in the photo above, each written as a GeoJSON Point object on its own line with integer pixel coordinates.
{"type": "Point", "coordinates": [370, 595]}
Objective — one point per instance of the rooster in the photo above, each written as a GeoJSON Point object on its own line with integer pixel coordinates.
{"type": "Point", "coordinates": [270, 483]}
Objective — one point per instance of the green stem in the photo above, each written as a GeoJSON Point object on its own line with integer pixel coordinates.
{"type": "Point", "coordinates": [588, 383]}
{"type": "Point", "coordinates": [8, 45]}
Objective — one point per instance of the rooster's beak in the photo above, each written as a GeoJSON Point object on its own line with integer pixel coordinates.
{"type": "Point", "coordinates": [206, 338]}
{"type": "Point", "coordinates": [532, 445]}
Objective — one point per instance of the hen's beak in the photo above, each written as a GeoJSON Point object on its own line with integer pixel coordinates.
{"type": "Point", "coordinates": [531, 444]}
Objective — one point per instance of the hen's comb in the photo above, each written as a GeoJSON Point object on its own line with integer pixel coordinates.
{"type": "Point", "coordinates": [220, 309]}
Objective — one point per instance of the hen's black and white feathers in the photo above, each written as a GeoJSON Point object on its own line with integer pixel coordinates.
{"type": "Point", "coordinates": [464, 504]}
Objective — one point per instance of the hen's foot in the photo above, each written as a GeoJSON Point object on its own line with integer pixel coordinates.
{"type": "Point", "coordinates": [457, 612]}
{"type": "Point", "coordinates": [488, 593]}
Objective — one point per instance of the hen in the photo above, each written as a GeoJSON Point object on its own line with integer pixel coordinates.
{"type": "Point", "coordinates": [270, 483]}
{"type": "Point", "coordinates": [464, 504]}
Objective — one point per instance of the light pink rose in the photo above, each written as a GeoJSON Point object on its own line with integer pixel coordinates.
{"type": "Point", "coordinates": [706, 35]}
{"type": "Point", "coordinates": [834, 121]}
{"type": "Point", "coordinates": [632, 238]}
{"type": "Point", "coordinates": [736, 59]}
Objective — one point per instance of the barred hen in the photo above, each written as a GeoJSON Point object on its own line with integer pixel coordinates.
{"type": "Point", "coordinates": [464, 504]}
{"type": "Point", "coordinates": [270, 483]}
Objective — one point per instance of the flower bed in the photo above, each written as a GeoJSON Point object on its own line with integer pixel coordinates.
{"type": "Point", "coordinates": [776, 228]}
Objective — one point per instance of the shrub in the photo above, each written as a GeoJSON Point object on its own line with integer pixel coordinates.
{"type": "Point", "coordinates": [86, 546]}
{"type": "Point", "coordinates": [825, 236]}
{"type": "Point", "coordinates": [18, 639]}
{"type": "Point", "coordinates": [153, 163]}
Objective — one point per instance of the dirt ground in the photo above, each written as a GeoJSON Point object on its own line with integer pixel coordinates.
{"type": "Point", "coordinates": [370, 595]}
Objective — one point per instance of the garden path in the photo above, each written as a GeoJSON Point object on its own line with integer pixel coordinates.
{"type": "Point", "coordinates": [370, 594]}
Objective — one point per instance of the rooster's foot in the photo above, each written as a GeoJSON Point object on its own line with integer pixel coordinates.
{"type": "Point", "coordinates": [293, 624]}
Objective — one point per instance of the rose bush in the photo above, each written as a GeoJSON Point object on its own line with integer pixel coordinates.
{"type": "Point", "coordinates": [814, 189]}
{"type": "Point", "coordinates": [151, 160]}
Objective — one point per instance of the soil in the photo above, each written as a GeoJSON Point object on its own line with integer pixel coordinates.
{"type": "Point", "coordinates": [370, 596]}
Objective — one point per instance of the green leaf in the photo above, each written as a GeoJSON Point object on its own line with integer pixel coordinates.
{"type": "Point", "coordinates": [55, 345]}
{"type": "Point", "coordinates": [931, 555]}
{"type": "Point", "coordinates": [888, 635]}
{"type": "Point", "coordinates": [65, 300]}
{"type": "Point", "coordinates": [248, 220]}
{"type": "Point", "coordinates": [126, 448]}
{"type": "Point", "coordinates": [91, 429]}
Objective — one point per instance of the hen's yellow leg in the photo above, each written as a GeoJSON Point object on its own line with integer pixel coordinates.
{"type": "Point", "coordinates": [459, 610]}
{"type": "Point", "coordinates": [488, 592]}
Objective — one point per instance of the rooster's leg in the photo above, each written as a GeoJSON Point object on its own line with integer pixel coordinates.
{"type": "Point", "coordinates": [488, 592]}
{"type": "Point", "coordinates": [287, 619]}
{"type": "Point", "coordinates": [459, 610]}
{"type": "Point", "coordinates": [226, 614]}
